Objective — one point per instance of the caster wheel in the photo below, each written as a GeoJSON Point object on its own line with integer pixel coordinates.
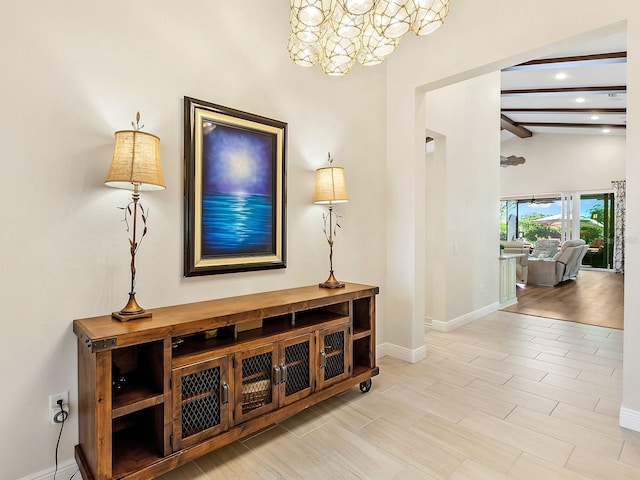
{"type": "Point", "coordinates": [365, 386]}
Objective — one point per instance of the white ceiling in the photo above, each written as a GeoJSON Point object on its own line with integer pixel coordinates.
{"type": "Point", "coordinates": [578, 74]}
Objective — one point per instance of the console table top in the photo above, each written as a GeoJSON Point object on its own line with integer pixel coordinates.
{"type": "Point", "coordinates": [215, 313]}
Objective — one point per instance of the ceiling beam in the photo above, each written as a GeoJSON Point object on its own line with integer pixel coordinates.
{"type": "Point", "coordinates": [566, 110]}
{"type": "Point", "coordinates": [572, 125]}
{"type": "Point", "coordinates": [573, 61]}
{"type": "Point", "coordinates": [566, 90]}
{"type": "Point", "coordinates": [507, 124]}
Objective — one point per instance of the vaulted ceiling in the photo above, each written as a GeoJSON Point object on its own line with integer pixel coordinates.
{"type": "Point", "coordinates": [573, 91]}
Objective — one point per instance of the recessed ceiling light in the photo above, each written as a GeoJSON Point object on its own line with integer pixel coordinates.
{"type": "Point", "coordinates": [580, 100]}
{"type": "Point", "coordinates": [561, 76]}
{"type": "Point", "coordinates": [594, 117]}
{"type": "Point", "coordinates": [605, 130]}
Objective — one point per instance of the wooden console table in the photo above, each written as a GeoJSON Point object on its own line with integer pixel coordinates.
{"type": "Point", "coordinates": [157, 393]}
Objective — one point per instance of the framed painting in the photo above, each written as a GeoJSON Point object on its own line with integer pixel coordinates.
{"type": "Point", "coordinates": [235, 190]}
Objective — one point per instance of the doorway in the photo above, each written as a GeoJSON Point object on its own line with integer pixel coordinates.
{"type": "Point", "coordinates": [597, 214]}
{"type": "Point", "coordinates": [547, 216]}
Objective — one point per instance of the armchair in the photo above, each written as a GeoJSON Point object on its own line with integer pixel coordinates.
{"type": "Point", "coordinates": [564, 265]}
{"type": "Point", "coordinates": [575, 252]}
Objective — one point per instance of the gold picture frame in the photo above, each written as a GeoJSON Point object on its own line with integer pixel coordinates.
{"type": "Point", "coordinates": [235, 190]}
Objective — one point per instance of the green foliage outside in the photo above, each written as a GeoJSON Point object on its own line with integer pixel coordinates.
{"type": "Point", "coordinates": [590, 232]}
{"type": "Point", "coordinates": [534, 231]}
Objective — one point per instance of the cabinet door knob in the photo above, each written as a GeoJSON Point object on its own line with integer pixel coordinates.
{"type": "Point", "coordinates": [276, 368]}
{"type": "Point", "coordinates": [323, 362]}
{"type": "Point", "coordinates": [285, 374]}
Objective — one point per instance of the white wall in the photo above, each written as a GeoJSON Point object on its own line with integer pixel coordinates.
{"type": "Point", "coordinates": [473, 43]}
{"type": "Point", "coordinates": [461, 259]}
{"type": "Point", "coordinates": [73, 74]}
{"type": "Point", "coordinates": [563, 163]}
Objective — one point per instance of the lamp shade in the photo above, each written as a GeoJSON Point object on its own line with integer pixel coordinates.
{"type": "Point", "coordinates": [136, 160]}
{"type": "Point", "coordinates": [330, 186]}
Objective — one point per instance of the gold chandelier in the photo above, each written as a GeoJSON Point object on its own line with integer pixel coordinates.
{"type": "Point", "coordinates": [336, 33]}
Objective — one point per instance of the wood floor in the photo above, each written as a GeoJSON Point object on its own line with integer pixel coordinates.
{"type": "Point", "coordinates": [508, 396]}
{"type": "Point", "coordinates": [594, 297]}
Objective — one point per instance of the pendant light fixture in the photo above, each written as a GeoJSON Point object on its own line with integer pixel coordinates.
{"type": "Point", "coordinates": [336, 33]}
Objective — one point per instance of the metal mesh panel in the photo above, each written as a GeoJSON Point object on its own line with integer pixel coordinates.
{"type": "Point", "coordinates": [296, 359]}
{"type": "Point", "coordinates": [201, 402]}
{"type": "Point", "coordinates": [334, 348]}
{"type": "Point", "coordinates": [256, 381]}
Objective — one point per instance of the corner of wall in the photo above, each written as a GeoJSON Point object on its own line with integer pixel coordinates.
{"type": "Point", "coordinates": [401, 353]}
{"type": "Point", "coordinates": [448, 326]}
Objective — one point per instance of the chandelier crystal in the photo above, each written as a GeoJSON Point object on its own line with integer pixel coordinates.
{"type": "Point", "coordinates": [336, 33]}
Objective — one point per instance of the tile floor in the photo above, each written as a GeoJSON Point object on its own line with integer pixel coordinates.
{"type": "Point", "coordinates": [508, 396]}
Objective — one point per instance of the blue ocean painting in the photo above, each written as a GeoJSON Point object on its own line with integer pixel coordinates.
{"type": "Point", "coordinates": [237, 192]}
{"type": "Point", "coordinates": [236, 224]}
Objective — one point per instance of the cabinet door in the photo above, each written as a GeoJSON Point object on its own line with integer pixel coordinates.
{"type": "Point", "coordinates": [334, 355]}
{"type": "Point", "coordinates": [200, 401]}
{"type": "Point", "coordinates": [296, 368]}
{"type": "Point", "coordinates": [255, 385]}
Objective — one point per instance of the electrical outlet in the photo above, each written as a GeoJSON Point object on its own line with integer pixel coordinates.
{"type": "Point", "coordinates": [54, 408]}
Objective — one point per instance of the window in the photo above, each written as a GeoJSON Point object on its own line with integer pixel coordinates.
{"type": "Point", "coordinates": [530, 219]}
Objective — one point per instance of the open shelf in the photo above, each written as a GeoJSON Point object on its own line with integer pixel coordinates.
{"type": "Point", "coordinates": [137, 440]}
{"type": "Point", "coordinates": [135, 399]}
{"type": "Point", "coordinates": [186, 345]}
{"type": "Point", "coordinates": [362, 358]}
{"type": "Point", "coordinates": [316, 316]}
{"type": "Point", "coordinates": [272, 327]}
{"type": "Point", "coordinates": [362, 315]}
{"type": "Point", "coordinates": [137, 377]}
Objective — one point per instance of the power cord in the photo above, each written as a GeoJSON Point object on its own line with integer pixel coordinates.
{"type": "Point", "coordinates": [60, 418]}
{"type": "Point", "coordinates": [62, 415]}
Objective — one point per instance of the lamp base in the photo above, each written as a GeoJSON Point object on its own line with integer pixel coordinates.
{"type": "Point", "coordinates": [331, 282]}
{"type": "Point", "coordinates": [131, 311]}
{"type": "Point", "coordinates": [125, 317]}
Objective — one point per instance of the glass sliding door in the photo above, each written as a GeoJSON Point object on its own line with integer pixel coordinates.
{"type": "Point", "coordinates": [589, 216]}
{"type": "Point", "coordinates": [597, 228]}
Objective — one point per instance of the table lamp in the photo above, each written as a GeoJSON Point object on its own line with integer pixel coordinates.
{"type": "Point", "coordinates": [330, 189]}
{"type": "Point", "coordinates": [135, 166]}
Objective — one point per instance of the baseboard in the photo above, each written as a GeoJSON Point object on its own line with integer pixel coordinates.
{"type": "Point", "coordinates": [401, 353]}
{"type": "Point", "coordinates": [65, 470]}
{"type": "Point", "coordinates": [451, 325]}
{"type": "Point", "coordinates": [630, 419]}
